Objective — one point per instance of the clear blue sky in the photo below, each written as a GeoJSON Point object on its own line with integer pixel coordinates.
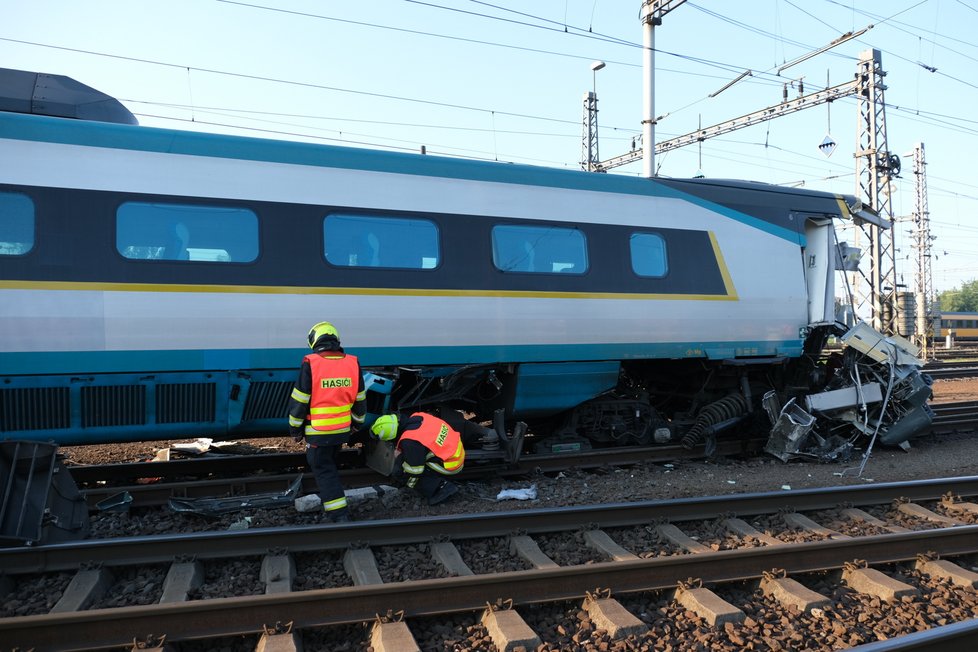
{"type": "Point", "coordinates": [504, 80]}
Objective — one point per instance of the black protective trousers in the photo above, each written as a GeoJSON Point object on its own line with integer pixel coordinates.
{"type": "Point", "coordinates": [322, 461]}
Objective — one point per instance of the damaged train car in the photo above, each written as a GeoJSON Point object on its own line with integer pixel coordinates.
{"type": "Point", "coordinates": [158, 284]}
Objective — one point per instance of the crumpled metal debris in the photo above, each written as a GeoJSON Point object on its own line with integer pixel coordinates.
{"type": "Point", "coordinates": [876, 391]}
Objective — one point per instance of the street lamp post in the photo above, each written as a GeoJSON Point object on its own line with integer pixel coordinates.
{"type": "Point", "coordinates": [595, 67]}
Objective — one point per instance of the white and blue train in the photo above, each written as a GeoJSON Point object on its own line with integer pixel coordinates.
{"type": "Point", "coordinates": [158, 283]}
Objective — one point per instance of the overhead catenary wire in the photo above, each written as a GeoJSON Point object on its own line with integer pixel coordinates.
{"type": "Point", "coordinates": [306, 14]}
{"type": "Point", "coordinates": [291, 82]}
{"type": "Point", "coordinates": [482, 154]}
{"type": "Point", "coordinates": [356, 91]}
{"type": "Point", "coordinates": [234, 112]}
{"type": "Point", "coordinates": [347, 90]}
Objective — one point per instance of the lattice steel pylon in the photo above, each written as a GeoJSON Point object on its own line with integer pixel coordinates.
{"type": "Point", "coordinates": [924, 288]}
{"type": "Point", "coordinates": [875, 167]}
{"type": "Point", "coordinates": [589, 151]}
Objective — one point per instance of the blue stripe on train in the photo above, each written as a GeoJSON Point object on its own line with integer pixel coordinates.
{"type": "Point", "coordinates": [91, 362]}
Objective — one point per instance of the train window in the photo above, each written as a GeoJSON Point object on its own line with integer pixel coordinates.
{"type": "Point", "coordinates": [16, 224]}
{"type": "Point", "coordinates": [649, 255]}
{"type": "Point", "coordinates": [539, 249]}
{"type": "Point", "coordinates": [375, 241]}
{"type": "Point", "coordinates": [217, 234]}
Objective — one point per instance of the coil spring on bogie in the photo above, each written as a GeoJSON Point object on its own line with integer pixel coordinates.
{"type": "Point", "coordinates": [727, 407]}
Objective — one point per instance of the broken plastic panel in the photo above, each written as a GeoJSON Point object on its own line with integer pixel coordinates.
{"type": "Point", "coordinates": [39, 501]}
{"type": "Point", "coordinates": [214, 507]}
{"type": "Point", "coordinates": [908, 426]}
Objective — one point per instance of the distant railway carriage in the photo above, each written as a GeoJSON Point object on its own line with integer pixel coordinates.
{"type": "Point", "coordinates": [964, 325]}
{"type": "Point", "coordinates": [159, 283]}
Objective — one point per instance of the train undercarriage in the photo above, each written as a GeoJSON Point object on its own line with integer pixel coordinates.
{"type": "Point", "coordinates": [823, 405]}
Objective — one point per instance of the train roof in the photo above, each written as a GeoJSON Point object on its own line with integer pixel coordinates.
{"type": "Point", "coordinates": [39, 93]}
{"type": "Point", "coordinates": [758, 186]}
{"type": "Point", "coordinates": [733, 192]}
{"type": "Point", "coordinates": [765, 206]}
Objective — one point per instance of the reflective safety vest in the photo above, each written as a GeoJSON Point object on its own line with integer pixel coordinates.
{"type": "Point", "coordinates": [441, 439]}
{"type": "Point", "coordinates": [335, 384]}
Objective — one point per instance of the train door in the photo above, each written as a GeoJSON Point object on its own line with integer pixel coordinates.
{"type": "Point", "coordinates": [819, 262]}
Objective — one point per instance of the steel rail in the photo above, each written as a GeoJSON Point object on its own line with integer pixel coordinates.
{"type": "Point", "coordinates": [275, 462]}
{"type": "Point", "coordinates": [326, 607]}
{"type": "Point", "coordinates": [950, 371]}
{"type": "Point", "coordinates": [159, 493]}
{"type": "Point", "coordinates": [944, 364]}
{"type": "Point", "coordinates": [279, 461]}
{"type": "Point", "coordinates": [89, 475]}
{"type": "Point", "coordinates": [948, 415]}
{"type": "Point", "coordinates": [125, 551]}
{"type": "Point", "coordinates": [958, 637]}
{"type": "Point", "coordinates": [195, 467]}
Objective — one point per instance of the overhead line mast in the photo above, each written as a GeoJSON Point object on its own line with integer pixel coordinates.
{"type": "Point", "coordinates": [652, 13]}
{"type": "Point", "coordinates": [876, 166]}
{"type": "Point", "coordinates": [924, 290]}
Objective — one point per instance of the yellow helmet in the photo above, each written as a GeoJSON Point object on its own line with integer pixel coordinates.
{"type": "Point", "coordinates": [320, 329]}
{"type": "Point", "coordinates": [385, 427]}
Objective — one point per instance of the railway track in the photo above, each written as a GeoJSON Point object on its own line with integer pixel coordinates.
{"type": "Point", "coordinates": [948, 370]}
{"type": "Point", "coordinates": [949, 416]}
{"type": "Point", "coordinates": [845, 565]}
{"type": "Point", "coordinates": [938, 352]}
{"type": "Point", "coordinates": [275, 472]}
{"type": "Point", "coordinates": [268, 473]}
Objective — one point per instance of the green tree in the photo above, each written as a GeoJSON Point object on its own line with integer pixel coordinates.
{"type": "Point", "coordinates": [960, 300]}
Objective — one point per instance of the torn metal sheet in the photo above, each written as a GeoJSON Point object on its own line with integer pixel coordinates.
{"type": "Point", "coordinates": [790, 431]}
{"type": "Point", "coordinates": [847, 397]}
{"type": "Point", "coordinates": [881, 348]}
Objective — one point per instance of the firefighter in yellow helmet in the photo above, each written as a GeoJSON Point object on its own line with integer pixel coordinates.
{"type": "Point", "coordinates": [327, 403]}
{"type": "Point", "coordinates": [431, 448]}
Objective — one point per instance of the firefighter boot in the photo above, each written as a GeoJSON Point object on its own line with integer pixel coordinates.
{"type": "Point", "coordinates": [445, 490]}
